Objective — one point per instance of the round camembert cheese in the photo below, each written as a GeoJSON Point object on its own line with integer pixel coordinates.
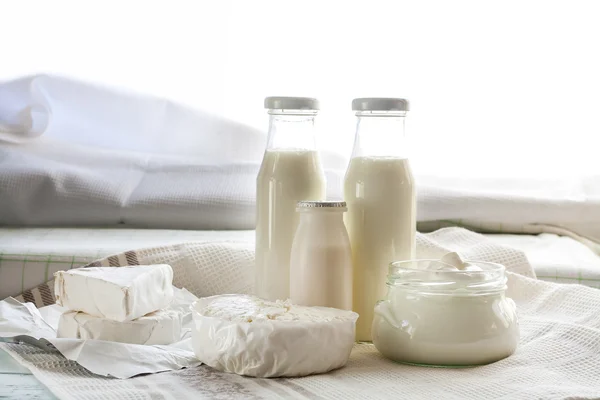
{"type": "Point", "coordinates": [249, 336]}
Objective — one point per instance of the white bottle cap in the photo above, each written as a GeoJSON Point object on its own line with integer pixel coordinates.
{"type": "Point", "coordinates": [379, 104]}
{"type": "Point", "coordinates": [291, 103]}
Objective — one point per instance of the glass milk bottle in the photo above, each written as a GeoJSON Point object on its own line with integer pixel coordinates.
{"type": "Point", "coordinates": [291, 171]}
{"type": "Point", "coordinates": [379, 190]}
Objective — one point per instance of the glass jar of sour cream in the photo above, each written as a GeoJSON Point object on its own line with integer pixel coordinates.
{"type": "Point", "coordinates": [440, 315]}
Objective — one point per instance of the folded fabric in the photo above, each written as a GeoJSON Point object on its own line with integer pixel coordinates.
{"type": "Point", "coordinates": [81, 113]}
{"type": "Point", "coordinates": [561, 205]}
{"type": "Point", "coordinates": [46, 183]}
{"type": "Point", "coordinates": [75, 154]}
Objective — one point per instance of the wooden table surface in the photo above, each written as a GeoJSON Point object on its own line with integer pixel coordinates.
{"type": "Point", "coordinates": [18, 383]}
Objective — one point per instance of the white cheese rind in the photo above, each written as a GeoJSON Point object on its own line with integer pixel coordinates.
{"type": "Point", "coordinates": [160, 327]}
{"type": "Point", "coordinates": [116, 293]}
{"type": "Point", "coordinates": [249, 336]}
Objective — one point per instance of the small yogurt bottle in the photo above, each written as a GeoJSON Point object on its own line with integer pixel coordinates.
{"type": "Point", "coordinates": [440, 315]}
{"type": "Point", "coordinates": [321, 259]}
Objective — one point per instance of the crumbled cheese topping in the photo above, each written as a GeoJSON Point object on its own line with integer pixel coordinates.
{"type": "Point", "coordinates": [250, 308]}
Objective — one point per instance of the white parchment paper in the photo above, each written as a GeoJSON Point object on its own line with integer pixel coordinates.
{"type": "Point", "coordinates": [23, 322]}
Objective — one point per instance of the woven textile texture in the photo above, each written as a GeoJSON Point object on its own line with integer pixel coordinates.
{"type": "Point", "coordinates": [557, 356]}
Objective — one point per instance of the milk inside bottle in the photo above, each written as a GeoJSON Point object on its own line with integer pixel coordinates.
{"type": "Point", "coordinates": [379, 191]}
{"type": "Point", "coordinates": [291, 171]}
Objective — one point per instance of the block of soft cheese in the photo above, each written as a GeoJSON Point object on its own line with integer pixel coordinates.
{"type": "Point", "coordinates": [249, 336]}
{"type": "Point", "coordinates": [159, 327]}
{"type": "Point", "coordinates": [117, 293]}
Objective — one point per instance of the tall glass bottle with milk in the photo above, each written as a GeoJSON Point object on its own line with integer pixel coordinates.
{"type": "Point", "coordinates": [379, 191]}
{"type": "Point", "coordinates": [291, 171]}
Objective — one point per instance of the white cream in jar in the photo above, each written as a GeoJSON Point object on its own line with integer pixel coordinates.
{"type": "Point", "coordinates": [446, 314]}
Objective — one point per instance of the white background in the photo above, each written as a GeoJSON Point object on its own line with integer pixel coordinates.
{"type": "Point", "coordinates": [506, 88]}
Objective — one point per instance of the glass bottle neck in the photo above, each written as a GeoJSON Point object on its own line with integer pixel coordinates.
{"type": "Point", "coordinates": [292, 130]}
{"type": "Point", "coordinates": [322, 216]}
{"type": "Point", "coordinates": [380, 134]}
